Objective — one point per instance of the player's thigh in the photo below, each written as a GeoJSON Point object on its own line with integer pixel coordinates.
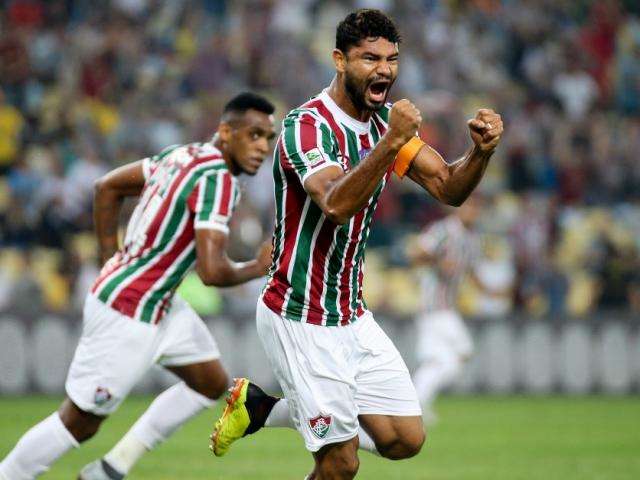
{"type": "Point", "coordinates": [185, 339]}
{"type": "Point", "coordinates": [316, 375]}
{"type": "Point", "coordinates": [395, 436]}
{"type": "Point", "coordinates": [82, 425]}
{"type": "Point", "coordinates": [113, 353]}
{"type": "Point", "coordinates": [383, 382]}
{"type": "Point", "coordinates": [208, 378]}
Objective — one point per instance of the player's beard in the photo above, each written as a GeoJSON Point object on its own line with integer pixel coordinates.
{"type": "Point", "coordinates": [357, 92]}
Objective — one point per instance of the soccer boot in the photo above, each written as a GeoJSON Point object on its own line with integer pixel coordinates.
{"type": "Point", "coordinates": [99, 470]}
{"type": "Point", "coordinates": [247, 409]}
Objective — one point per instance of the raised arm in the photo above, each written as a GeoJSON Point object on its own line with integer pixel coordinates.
{"type": "Point", "coordinates": [452, 183]}
{"type": "Point", "coordinates": [109, 192]}
{"type": "Point", "coordinates": [341, 195]}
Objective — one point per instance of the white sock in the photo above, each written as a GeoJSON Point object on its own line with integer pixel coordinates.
{"type": "Point", "coordinates": [433, 375]}
{"type": "Point", "coordinates": [36, 451]}
{"type": "Point", "coordinates": [165, 415]}
{"type": "Point", "coordinates": [281, 417]}
{"type": "Point", "coordinates": [366, 443]}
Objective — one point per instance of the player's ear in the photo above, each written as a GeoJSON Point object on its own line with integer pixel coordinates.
{"type": "Point", "coordinates": [340, 60]}
{"type": "Point", "coordinates": [224, 132]}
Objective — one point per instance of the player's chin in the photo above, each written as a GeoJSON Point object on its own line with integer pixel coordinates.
{"type": "Point", "coordinates": [252, 168]}
{"type": "Point", "coordinates": [375, 101]}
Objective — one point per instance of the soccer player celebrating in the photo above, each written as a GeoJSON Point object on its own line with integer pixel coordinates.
{"type": "Point", "coordinates": [345, 384]}
{"type": "Point", "coordinates": [132, 319]}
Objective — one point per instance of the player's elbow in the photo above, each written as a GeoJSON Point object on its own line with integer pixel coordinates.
{"type": "Point", "coordinates": [213, 275]}
{"type": "Point", "coordinates": [100, 185]}
{"type": "Point", "coordinates": [336, 216]}
{"type": "Point", "coordinates": [453, 199]}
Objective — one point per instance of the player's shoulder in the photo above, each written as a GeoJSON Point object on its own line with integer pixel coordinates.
{"type": "Point", "coordinates": [383, 112]}
{"type": "Point", "coordinates": [309, 113]}
{"type": "Point", "coordinates": [205, 151]}
{"type": "Point", "coordinates": [165, 152]}
{"type": "Point", "coordinates": [205, 157]}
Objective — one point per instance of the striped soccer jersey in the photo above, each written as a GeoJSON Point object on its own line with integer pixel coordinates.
{"type": "Point", "coordinates": [186, 187]}
{"type": "Point", "coordinates": [317, 270]}
{"type": "Point", "coordinates": [450, 240]}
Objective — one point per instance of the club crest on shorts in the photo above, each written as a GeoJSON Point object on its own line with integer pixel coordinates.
{"type": "Point", "coordinates": [320, 425]}
{"type": "Point", "coordinates": [101, 396]}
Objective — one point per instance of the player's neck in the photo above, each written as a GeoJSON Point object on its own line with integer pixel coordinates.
{"type": "Point", "coordinates": [338, 94]}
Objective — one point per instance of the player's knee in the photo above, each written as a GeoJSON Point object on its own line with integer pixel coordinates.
{"type": "Point", "coordinates": [339, 463]}
{"type": "Point", "coordinates": [350, 467]}
{"type": "Point", "coordinates": [405, 445]}
{"type": "Point", "coordinates": [412, 443]}
{"type": "Point", "coordinates": [343, 467]}
{"type": "Point", "coordinates": [212, 387]}
{"type": "Point", "coordinates": [82, 425]}
{"type": "Point", "coordinates": [219, 386]}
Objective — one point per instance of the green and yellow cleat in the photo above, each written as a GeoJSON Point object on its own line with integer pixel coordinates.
{"type": "Point", "coordinates": [246, 411]}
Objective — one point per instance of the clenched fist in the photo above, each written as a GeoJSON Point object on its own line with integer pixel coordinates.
{"type": "Point", "coordinates": [486, 129]}
{"type": "Point", "coordinates": [404, 121]}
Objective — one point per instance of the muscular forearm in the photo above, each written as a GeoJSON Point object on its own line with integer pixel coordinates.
{"type": "Point", "coordinates": [350, 193]}
{"type": "Point", "coordinates": [228, 273]}
{"type": "Point", "coordinates": [465, 174]}
{"type": "Point", "coordinates": [450, 183]}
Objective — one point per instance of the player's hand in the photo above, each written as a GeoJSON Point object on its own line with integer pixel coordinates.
{"type": "Point", "coordinates": [263, 256]}
{"type": "Point", "coordinates": [404, 121]}
{"type": "Point", "coordinates": [486, 129]}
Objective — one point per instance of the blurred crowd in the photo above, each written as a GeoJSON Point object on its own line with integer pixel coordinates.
{"type": "Point", "coordinates": [86, 86]}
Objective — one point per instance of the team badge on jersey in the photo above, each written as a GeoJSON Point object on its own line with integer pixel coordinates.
{"type": "Point", "coordinates": [101, 396]}
{"type": "Point", "coordinates": [320, 425]}
{"type": "Point", "coordinates": [314, 157]}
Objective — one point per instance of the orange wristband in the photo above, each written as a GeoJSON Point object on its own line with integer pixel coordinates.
{"type": "Point", "coordinates": [406, 155]}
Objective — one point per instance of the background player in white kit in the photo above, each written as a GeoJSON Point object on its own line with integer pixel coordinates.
{"type": "Point", "coordinates": [448, 249]}
{"type": "Point", "coordinates": [132, 319]}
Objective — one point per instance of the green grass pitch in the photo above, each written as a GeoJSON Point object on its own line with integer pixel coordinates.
{"type": "Point", "coordinates": [477, 438]}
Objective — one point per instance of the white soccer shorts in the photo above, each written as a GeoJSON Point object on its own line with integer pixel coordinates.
{"type": "Point", "coordinates": [330, 375]}
{"type": "Point", "coordinates": [115, 352]}
{"type": "Point", "coordinates": [442, 333]}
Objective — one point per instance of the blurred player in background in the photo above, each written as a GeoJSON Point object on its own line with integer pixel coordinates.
{"type": "Point", "coordinates": [132, 319]}
{"type": "Point", "coordinates": [345, 383]}
{"type": "Point", "coordinates": [450, 248]}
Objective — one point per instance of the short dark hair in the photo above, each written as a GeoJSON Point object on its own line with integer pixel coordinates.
{"type": "Point", "coordinates": [248, 101]}
{"type": "Point", "coordinates": [365, 23]}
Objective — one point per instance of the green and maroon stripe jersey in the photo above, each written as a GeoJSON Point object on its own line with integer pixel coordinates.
{"type": "Point", "coordinates": [317, 270]}
{"type": "Point", "coordinates": [186, 187]}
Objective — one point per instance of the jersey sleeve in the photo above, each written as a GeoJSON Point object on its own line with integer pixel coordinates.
{"type": "Point", "coordinates": [150, 164]}
{"type": "Point", "coordinates": [213, 200]}
{"type": "Point", "coordinates": [307, 146]}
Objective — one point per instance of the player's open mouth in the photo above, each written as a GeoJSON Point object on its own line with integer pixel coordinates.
{"type": "Point", "coordinates": [378, 91]}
